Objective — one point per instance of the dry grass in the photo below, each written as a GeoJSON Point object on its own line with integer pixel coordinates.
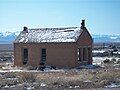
{"type": "Point", "coordinates": [94, 78]}
{"type": "Point", "coordinates": [84, 78]}
{"type": "Point", "coordinates": [28, 77]}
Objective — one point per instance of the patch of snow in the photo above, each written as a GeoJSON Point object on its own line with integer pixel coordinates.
{"type": "Point", "coordinates": [21, 40]}
{"type": "Point", "coordinates": [76, 86]}
{"type": "Point", "coordinates": [100, 59]}
{"type": "Point", "coordinates": [30, 88]}
{"type": "Point", "coordinates": [116, 52]}
{"type": "Point", "coordinates": [16, 70]}
{"type": "Point", "coordinates": [12, 78]}
{"type": "Point", "coordinates": [6, 86]}
{"type": "Point", "coordinates": [113, 37]}
{"type": "Point", "coordinates": [70, 87]}
{"type": "Point", "coordinates": [12, 86]}
{"type": "Point", "coordinates": [98, 51]}
{"type": "Point", "coordinates": [6, 33]}
{"type": "Point", "coordinates": [87, 81]}
{"type": "Point", "coordinates": [112, 86]}
{"type": "Point", "coordinates": [4, 71]}
{"type": "Point", "coordinates": [42, 85]}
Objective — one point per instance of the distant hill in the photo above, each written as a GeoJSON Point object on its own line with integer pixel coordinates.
{"type": "Point", "coordinates": [9, 37]}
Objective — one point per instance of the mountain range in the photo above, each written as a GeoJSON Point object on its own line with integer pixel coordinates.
{"type": "Point", "coordinates": [9, 37]}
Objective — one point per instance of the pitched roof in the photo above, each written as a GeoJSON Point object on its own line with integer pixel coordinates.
{"type": "Point", "coordinates": [69, 34]}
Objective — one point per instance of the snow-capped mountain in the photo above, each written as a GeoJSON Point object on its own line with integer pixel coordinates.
{"type": "Point", "coordinates": [9, 37]}
{"type": "Point", "coordinates": [106, 38]}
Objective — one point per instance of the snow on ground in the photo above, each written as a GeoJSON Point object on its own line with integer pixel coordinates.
{"type": "Point", "coordinates": [112, 86]}
{"type": "Point", "coordinates": [99, 60]}
{"type": "Point", "coordinates": [9, 68]}
{"type": "Point", "coordinates": [98, 51]}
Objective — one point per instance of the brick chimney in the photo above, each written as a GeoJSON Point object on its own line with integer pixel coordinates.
{"type": "Point", "coordinates": [25, 29]}
{"type": "Point", "coordinates": [83, 24]}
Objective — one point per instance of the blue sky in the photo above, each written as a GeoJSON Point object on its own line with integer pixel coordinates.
{"type": "Point", "coordinates": [102, 16]}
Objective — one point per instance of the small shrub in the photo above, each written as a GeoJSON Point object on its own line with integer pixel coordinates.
{"type": "Point", "coordinates": [10, 75]}
{"type": "Point", "coordinates": [53, 67]}
{"type": "Point", "coordinates": [110, 76]}
{"type": "Point", "coordinates": [113, 59]}
{"type": "Point", "coordinates": [28, 77]}
{"type": "Point", "coordinates": [118, 62]}
{"type": "Point", "coordinates": [106, 61]}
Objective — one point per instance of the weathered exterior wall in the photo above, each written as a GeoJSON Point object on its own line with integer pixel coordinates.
{"type": "Point", "coordinates": [17, 55]}
{"type": "Point", "coordinates": [57, 54]}
{"type": "Point", "coordinates": [63, 55]}
{"type": "Point", "coordinates": [85, 41]}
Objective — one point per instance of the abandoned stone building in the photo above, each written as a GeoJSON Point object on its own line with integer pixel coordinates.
{"type": "Point", "coordinates": [60, 47]}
